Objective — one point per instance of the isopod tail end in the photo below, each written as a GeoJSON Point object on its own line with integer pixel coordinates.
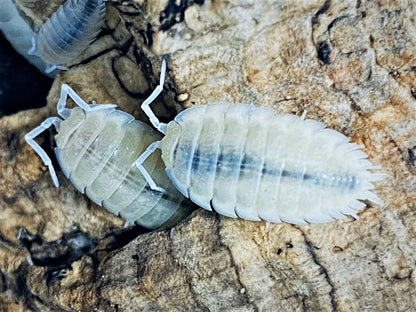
{"type": "Point", "coordinates": [353, 207]}
{"type": "Point", "coordinates": [378, 177]}
{"type": "Point", "coordinates": [356, 205]}
{"type": "Point", "coordinates": [355, 216]}
{"type": "Point", "coordinates": [368, 195]}
{"type": "Point", "coordinates": [336, 214]}
{"type": "Point", "coordinates": [375, 199]}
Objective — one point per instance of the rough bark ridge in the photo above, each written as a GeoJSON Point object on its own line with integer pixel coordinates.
{"type": "Point", "coordinates": [351, 64]}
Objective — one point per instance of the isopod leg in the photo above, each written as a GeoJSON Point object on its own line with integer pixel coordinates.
{"type": "Point", "coordinates": [304, 114]}
{"type": "Point", "coordinates": [139, 164]}
{"type": "Point", "coordinates": [68, 91]}
{"type": "Point", "coordinates": [51, 68]}
{"type": "Point", "coordinates": [32, 50]}
{"type": "Point", "coordinates": [145, 105]}
{"type": "Point", "coordinates": [29, 137]}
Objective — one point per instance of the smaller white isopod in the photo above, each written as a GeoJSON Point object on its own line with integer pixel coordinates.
{"type": "Point", "coordinates": [249, 162]}
{"type": "Point", "coordinates": [97, 148]}
{"type": "Point", "coordinates": [68, 32]}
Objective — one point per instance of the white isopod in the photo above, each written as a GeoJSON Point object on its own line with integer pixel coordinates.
{"type": "Point", "coordinates": [18, 33]}
{"type": "Point", "coordinates": [249, 162]}
{"type": "Point", "coordinates": [69, 31]}
{"type": "Point", "coordinates": [97, 147]}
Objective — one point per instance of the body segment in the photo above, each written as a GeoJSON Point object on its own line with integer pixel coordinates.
{"type": "Point", "coordinates": [70, 30]}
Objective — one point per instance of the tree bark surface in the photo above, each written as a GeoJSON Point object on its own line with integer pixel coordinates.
{"type": "Point", "coordinates": [350, 64]}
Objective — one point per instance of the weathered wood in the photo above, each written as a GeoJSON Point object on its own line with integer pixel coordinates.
{"type": "Point", "coordinates": [350, 64]}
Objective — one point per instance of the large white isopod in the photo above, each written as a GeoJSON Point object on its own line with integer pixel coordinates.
{"type": "Point", "coordinates": [97, 147]}
{"type": "Point", "coordinates": [249, 162]}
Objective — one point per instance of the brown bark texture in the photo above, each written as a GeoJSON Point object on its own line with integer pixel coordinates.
{"type": "Point", "coordinates": [350, 64]}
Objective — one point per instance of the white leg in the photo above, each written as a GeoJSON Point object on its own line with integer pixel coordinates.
{"type": "Point", "coordinates": [29, 137]}
{"type": "Point", "coordinates": [32, 50]}
{"type": "Point", "coordinates": [171, 232]}
{"type": "Point", "coordinates": [139, 164]}
{"type": "Point", "coordinates": [68, 91]}
{"type": "Point", "coordinates": [304, 114]}
{"type": "Point", "coordinates": [51, 68]}
{"type": "Point", "coordinates": [127, 224]}
{"type": "Point", "coordinates": [145, 105]}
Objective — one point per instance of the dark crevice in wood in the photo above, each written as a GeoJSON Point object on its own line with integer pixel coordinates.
{"type": "Point", "coordinates": [322, 10]}
{"type": "Point", "coordinates": [311, 249]}
{"type": "Point", "coordinates": [247, 299]}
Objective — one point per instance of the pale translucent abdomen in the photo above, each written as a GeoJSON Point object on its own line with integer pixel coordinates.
{"type": "Point", "coordinates": [70, 30]}
{"type": "Point", "coordinates": [255, 164]}
{"type": "Point", "coordinates": [97, 150]}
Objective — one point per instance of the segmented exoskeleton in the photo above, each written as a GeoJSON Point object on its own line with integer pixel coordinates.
{"type": "Point", "coordinates": [97, 147]}
{"type": "Point", "coordinates": [69, 31]}
{"type": "Point", "coordinates": [18, 33]}
{"type": "Point", "coordinates": [249, 162]}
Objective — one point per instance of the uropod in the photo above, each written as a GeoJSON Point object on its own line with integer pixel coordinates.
{"type": "Point", "coordinates": [250, 162]}
{"type": "Point", "coordinates": [97, 147]}
{"type": "Point", "coordinates": [68, 32]}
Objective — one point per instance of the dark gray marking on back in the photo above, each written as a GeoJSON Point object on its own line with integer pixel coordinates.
{"type": "Point", "coordinates": [336, 180]}
{"type": "Point", "coordinates": [196, 160]}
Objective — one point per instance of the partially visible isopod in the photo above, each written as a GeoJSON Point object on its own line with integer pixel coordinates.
{"type": "Point", "coordinates": [18, 33]}
{"type": "Point", "coordinates": [69, 31]}
{"type": "Point", "coordinates": [249, 162]}
{"type": "Point", "coordinates": [97, 147]}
